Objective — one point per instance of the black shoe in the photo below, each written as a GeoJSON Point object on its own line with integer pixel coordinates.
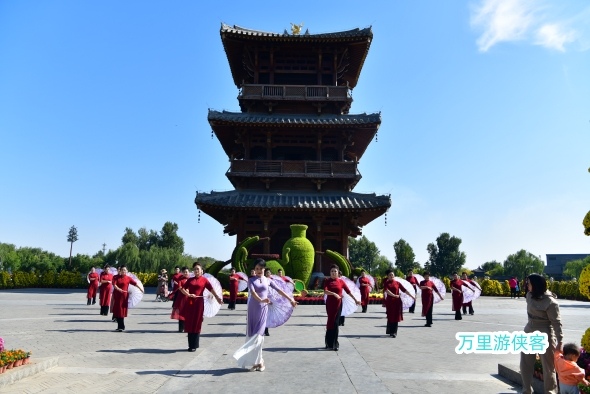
{"type": "Point", "coordinates": [192, 350]}
{"type": "Point", "coordinates": [428, 325]}
{"type": "Point", "coordinates": [394, 335]}
{"type": "Point", "coordinates": [119, 330]}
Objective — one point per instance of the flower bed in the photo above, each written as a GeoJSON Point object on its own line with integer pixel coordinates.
{"type": "Point", "coordinates": [13, 358]}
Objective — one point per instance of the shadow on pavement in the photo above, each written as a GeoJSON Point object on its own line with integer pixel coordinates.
{"type": "Point", "coordinates": [188, 374]}
{"type": "Point", "coordinates": [292, 349]}
{"type": "Point", "coordinates": [147, 351]}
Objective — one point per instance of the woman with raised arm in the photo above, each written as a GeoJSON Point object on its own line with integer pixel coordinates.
{"type": "Point", "coordinates": [393, 303]}
{"type": "Point", "coordinates": [179, 299]}
{"type": "Point", "coordinates": [333, 287]}
{"type": "Point", "coordinates": [121, 284]}
{"type": "Point", "coordinates": [92, 278]}
{"type": "Point", "coordinates": [249, 356]}
{"type": "Point", "coordinates": [428, 289]}
{"type": "Point", "coordinates": [194, 306]}
{"type": "Point", "coordinates": [106, 286]}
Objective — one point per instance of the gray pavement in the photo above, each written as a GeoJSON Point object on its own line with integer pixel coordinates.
{"type": "Point", "coordinates": [151, 357]}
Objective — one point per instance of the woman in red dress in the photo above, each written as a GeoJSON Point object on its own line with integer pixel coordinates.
{"type": "Point", "coordinates": [121, 284]}
{"type": "Point", "coordinates": [393, 303]}
{"type": "Point", "coordinates": [234, 280]}
{"type": "Point", "coordinates": [92, 286]}
{"type": "Point", "coordinates": [333, 287]}
{"type": "Point", "coordinates": [179, 299]}
{"type": "Point", "coordinates": [106, 287]}
{"type": "Point", "coordinates": [193, 288]}
{"type": "Point", "coordinates": [457, 293]}
{"type": "Point", "coordinates": [365, 285]}
{"type": "Point", "coordinates": [428, 287]}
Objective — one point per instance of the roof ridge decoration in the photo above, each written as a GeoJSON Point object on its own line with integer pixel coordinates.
{"type": "Point", "coordinates": [257, 118]}
{"type": "Point", "coordinates": [356, 32]}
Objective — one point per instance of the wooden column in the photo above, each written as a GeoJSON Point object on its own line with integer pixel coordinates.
{"type": "Point", "coordinates": [319, 73]}
{"type": "Point", "coordinates": [266, 220]}
{"type": "Point", "coordinates": [318, 155]}
{"type": "Point", "coordinates": [272, 67]}
{"type": "Point", "coordinates": [256, 66]}
{"type": "Point", "coordinates": [318, 220]}
{"type": "Point", "coordinates": [268, 145]}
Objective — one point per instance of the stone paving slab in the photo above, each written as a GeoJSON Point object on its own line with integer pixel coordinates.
{"type": "Point", "coordinates": [151, 357]}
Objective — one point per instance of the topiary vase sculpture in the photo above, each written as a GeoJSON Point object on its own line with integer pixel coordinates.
{"type": "Point", "coordinates": [298, 254]}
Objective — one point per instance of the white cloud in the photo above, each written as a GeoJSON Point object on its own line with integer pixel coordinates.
{"type": "Point", "coordinates": [502, 20]}
{"type": "Point", "coordinates": [554, 36]}
{"type": "Point", "coordinates": [548, 23]}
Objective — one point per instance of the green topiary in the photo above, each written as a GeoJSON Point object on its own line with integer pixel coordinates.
{"type": "Point", "coordinates": [585, 282]}
{"type": "Point", "coordinates": [273, 265]}
{"type": "Point", "coordinates": [298, 254]}
{"type": "Point", "coordinates": [341, 262]}
{"type": "Point", "coordinates": [223, 279]}
{"type": "Point", "coordinates": [586, 223]}
{"type": "Point", "coordinates": [217, 266]}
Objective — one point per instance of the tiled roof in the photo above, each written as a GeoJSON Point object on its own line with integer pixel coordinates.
{"type": "Point", "coordinates": [294, 119]}
{"type": "Point", "coordinates": [366, 32]}
{"type": "Point", "coordinates": [289, 200]}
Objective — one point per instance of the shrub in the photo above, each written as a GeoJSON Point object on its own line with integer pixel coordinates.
{"type": "Point", "coordinates": [584, 286]}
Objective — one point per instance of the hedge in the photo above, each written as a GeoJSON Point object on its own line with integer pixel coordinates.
{"type": "Point", "coordinates": [69, 280]}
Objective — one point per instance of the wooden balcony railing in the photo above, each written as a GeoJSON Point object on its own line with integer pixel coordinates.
{"type": "Point", "coordinates": [295, 92]}
{"type": "Point", "coordinates": [292, 168]}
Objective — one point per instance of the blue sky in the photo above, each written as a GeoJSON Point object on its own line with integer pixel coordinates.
{"type": "Point", "coordinates": [485, 107]}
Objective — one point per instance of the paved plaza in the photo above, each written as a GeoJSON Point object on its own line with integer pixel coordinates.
{"type": "Point", "coordinates": [151, 357]}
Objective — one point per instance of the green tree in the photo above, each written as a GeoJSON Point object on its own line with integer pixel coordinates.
{"type": "Point", "coordinates": [128, 255]}
{"type": "Point", "coordinates": [9, 258]}
{"type": "Point", "coordinates": [382, 264]}
{"type": "Point", "coordinates": [523, 263]}
{"type": "Point", "coordinates": [206, 261]}
{"type": "Point", "coordinates": [445, 256]}
{"type": "Point", "coordinates": [129, 237]}
{"type": "Point", "coordinates": [574, 268]}
{"type": "Point", "coordinates": [82, 263]}
{"type": "Point", "coordinates": [38, 260]}
{"type": "Point", "coordinates": [490, 265]}
{"type": "Point", "coordinates": [405, 259]}
{"type": "Point", "coordinates": [72, 237]}
{"type": "Point", "coordinates": [170, 239]}
{"type": "Point", "coordinates": [363, 253]}
{"type": "Point", "coordinates": [146, 239]}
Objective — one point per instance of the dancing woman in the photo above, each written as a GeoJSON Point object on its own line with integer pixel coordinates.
{"type": "Point", "coordinates": [428, 287]}
{"type": "Point", "coordinates": [179, 299]}
{"type": "Point", "coordinates": [92, 286]}
{"type": "Point", "coordinates": [457, 293]}
{"type": "Point", "coordinates": [333, 287]}
{"type": "Point", "coordinates": [194, 306]}
{"type": "Point", "coordinates": [393, 303]}
{"type": "Point", "coordinates": [365, 287]}
{"type": "Point", "coordinates": [234, 283]}
{"type": "Point", "coordinates": [249, 356]}
{"type": "Point", "coordinates": [121, 284]}
{"type": "Point", "coordinates": [106, 287]}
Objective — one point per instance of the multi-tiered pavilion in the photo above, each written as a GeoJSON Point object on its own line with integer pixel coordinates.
{"type": "Point", "coordinates": [294, 148]}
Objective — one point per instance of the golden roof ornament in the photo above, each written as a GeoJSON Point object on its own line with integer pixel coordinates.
{"type": "Point", "coordinates": [296, 29]}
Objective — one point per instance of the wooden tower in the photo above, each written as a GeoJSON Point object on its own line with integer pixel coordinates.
{"type": "Point", "coordinates": [294, 148]}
